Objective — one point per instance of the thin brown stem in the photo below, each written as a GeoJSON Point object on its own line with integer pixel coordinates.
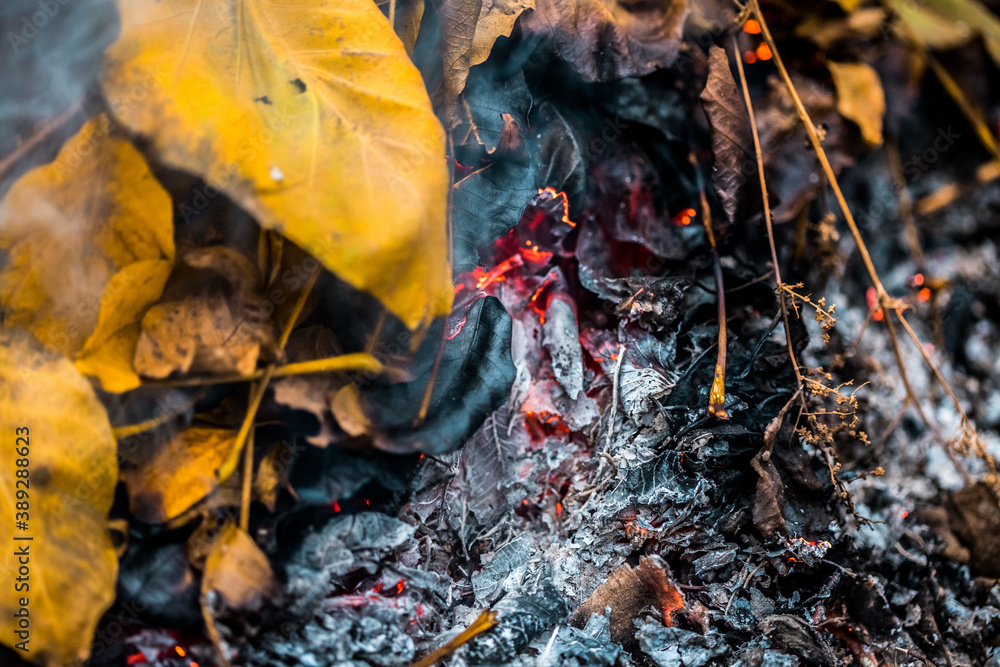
{"type": "Point", "coordinates": [717, 395]}
{"type": "Point", "coordinates": [767, 215]}
{"type": "Point", "coordinates": [484, 622]}
{"type": "Point", "coordinates": [46, 131]}
{"type": "Point", "coordinates": [884, 300]}
{"type": "Point", "coordinates": [258, 390]}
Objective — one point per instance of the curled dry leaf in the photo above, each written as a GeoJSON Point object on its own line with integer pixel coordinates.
{"type": "Point", "coordinates": [860, 98]}
{"type": "Point", "coordinates": [312, 118]}
{"type": "Point", "coordinates": [735, 163]}
{"type": "Point", "coordinates": [469, 29]}
{"type": "Point", "coordinates": [212, 319]}
{"type": "Point", "coordinates": [604, 40]}
{"type": "Point", "coordinates": [238, 570]}
{"type": "Point", "coordinates": [71, 476]}
{"type": "Point", "coordinates": [90, 238]}
{"type": "Point", "coordinates": [166, 478]}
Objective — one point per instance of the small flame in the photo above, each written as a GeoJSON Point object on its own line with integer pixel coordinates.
{"type": "Point", "coordinates": [558, 509]}
{"type": "Point", "coordinates": [497, 274]}
{"type": "Point", "coordinates": [400, 585]}
{"type": "Point", "coordinates": [180, 651]}
{"type": "Point", "coordinates": [764, 52]}
{"type": "Point", "coordinates": [558, 194]}
{"type": "Point", "coordinates": [924, 294]}
{"type": "Point", "coordinates": [533, 254]}
{"type": "Point", "coordinates": [751, 27]}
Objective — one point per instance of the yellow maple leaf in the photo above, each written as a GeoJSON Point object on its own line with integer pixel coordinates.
{"type": "Point", "coordinates": [311, 117]}
{"type": "Point", "coordinates": [90, 238]}
{"type": "Point", "coordinates": [65, 473]}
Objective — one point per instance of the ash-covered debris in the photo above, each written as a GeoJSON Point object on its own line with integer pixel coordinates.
{"type": "Point", "coordinates": [520, 619]}
{"type": "Point", "coordinates": [606, 519]}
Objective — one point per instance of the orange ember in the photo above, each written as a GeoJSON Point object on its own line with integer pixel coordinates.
{"type": "Point", "coordinates": [684, 217]}
{"type": "Point", "coordinates": [180, 651]}
{"type": "Point", "coordinates": [749, 57]}
{"type": "Point", "coordinates": [751, 27]}
{"type": "Point", "coordinates": [456, 331]}
{"type": "Point", "coordinates": [533, 254]}
{"type": "Point", "coordinates": [558, 194]}
{"type": "Point", "coordinates": [872, 298]}
{"type": "Point", "coordinates": [764, 52]}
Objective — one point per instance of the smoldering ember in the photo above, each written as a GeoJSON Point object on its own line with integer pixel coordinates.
{"type": "Point", "coordinates": [541, 333]}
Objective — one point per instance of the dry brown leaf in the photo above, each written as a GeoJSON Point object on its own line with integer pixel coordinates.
{"type": "Point", "coordinates": [860, 98]}
{"type": "Point", "coordinates": [165, 479]}
{"type": "Point", "coordinates": [71, 476]}
{"type": "Point", "coordinates": [212, 319]}
{"type": "Point", "coordinates": [469, 28]}
{"type": "Point", "coordinates": [238, 570]}
{"type": "Point", "coordinates": [735, 162]}
{"type": "Point", "coordinates": [628, 591]}
{"type": "Point", "coordinates": [312, 118]}
{"type": "Point", "coordinates": [605, 40]}
{"type": "Point", "coordinates": [91, 245]}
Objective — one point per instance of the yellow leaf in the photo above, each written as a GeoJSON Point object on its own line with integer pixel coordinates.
{"type": "Point", "coordinates": [946, 24]}
{"type": "Point", "coordinates": [860, 98]}
{"type": "Point", "coordinates": [109, 351]}
{"type": "Point", "coordinates": [238, 570]}
{"type": "Point", "coordinates": [72, 471]}
{"type": "Point", "coordinates": [312, 118]}
{"type": "Point", "coordinates": [849, 5]}
{"type": "Point", "coordinates": [91, 245]}
{"type": "Point", "coordinates": [165, 479]}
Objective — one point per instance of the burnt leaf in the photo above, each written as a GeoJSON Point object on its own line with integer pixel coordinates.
{"type": "Point", "coordinates": [975, 519]}
{"type": "Point", "coordinates": [485, 473]}
{"type": "Point", "coordinates": [514, 555]}
{"type": "Point", "coordinates": [674, 646]}
{"type": "Point", "coordinates": [561, 162]}
{"type": "Point", "coordinates": [605, 40]}
{"type": "Point", "coordinates": [732, 141]}
{"type": "Point", "coordinates": [488, 202]}
{"type": "Point", "coordinates": [474, 378]}
{"type": "Point", "coordinates": [769, 499]}
{"type": "Point", "coordinates": [519, 620]}
{"type": "Point", "coordinates": [795, 635]}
